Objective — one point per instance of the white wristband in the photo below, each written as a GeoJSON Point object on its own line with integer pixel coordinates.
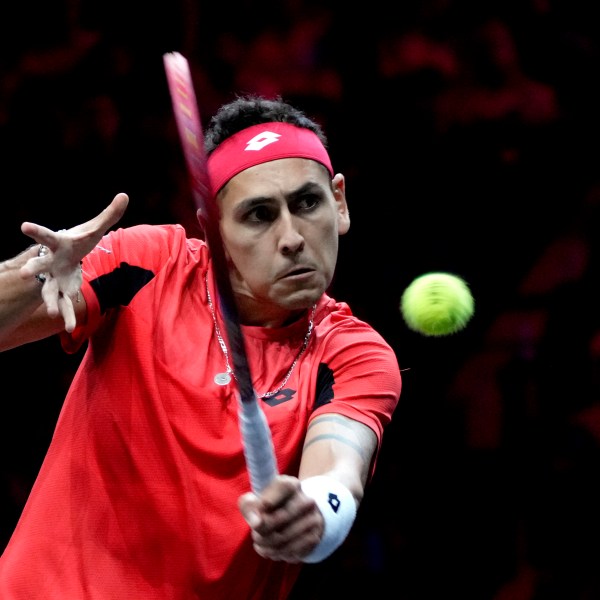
{"type": "Point", "coordinates": [338, 506]}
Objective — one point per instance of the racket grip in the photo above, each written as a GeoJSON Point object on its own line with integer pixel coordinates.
{"type": "Point", "coordinates": [258, 445]}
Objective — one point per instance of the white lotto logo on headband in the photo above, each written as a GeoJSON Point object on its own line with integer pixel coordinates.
{"type": "Point", "coordinates": [258, 142]}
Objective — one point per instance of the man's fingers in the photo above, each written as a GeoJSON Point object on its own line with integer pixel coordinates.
{"type": "Point", "coordinates": [248, 504]}
{"type": "Point", "coordinates": [97, 225]}
{"type": "Point", "coordinates": [107, 218]}
{"type": "Point", "coordinates": [50, 296]}
{"type": "Point", "coordinates": [68, 313]}
{"type": "Point", "coordinates": [39, 233]}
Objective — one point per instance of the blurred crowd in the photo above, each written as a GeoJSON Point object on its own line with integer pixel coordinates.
{"type": "Point", "coordinates": [468, 135]}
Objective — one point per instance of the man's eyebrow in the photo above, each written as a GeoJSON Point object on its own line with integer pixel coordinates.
{"type": "Point", "coordinates": [251, 202]}
{"type": "Point", "coordinates": [310, 187]}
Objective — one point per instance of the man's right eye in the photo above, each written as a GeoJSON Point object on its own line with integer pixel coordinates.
{"type": "Point", "coordinates": [260, 214]}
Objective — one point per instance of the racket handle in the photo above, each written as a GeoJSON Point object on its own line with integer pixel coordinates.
{"type": "Point", "coordinates": [258, 445]}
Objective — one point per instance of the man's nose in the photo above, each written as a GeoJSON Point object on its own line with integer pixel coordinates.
{"type": "Point", "coordinates": [291, 241]}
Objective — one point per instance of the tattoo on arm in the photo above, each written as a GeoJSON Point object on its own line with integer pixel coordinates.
{"type": "Point", "coordinates": [339, 438]}
{"type": "Point", "coordinates": [336, 418]}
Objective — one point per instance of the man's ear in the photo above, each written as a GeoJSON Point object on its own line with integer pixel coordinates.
{"type": "Point", "coordinates": [339, 194]}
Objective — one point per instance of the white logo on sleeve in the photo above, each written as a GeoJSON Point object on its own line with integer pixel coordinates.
{"type": "Point", "coordinates": [258, 142]}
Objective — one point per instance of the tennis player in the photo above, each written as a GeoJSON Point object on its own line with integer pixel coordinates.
{"type": "Point", "coordinates": [144, 491]}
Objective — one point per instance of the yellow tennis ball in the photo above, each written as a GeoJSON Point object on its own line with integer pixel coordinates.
{"type": "Point", "coordinates": [437, 304]}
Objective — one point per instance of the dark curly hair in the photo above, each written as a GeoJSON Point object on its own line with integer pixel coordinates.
{"type": "Point", "coordinates": [248, 110]}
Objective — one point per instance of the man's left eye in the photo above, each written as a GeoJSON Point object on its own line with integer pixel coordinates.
{"type": "Point", "coordinates": [307, 202]}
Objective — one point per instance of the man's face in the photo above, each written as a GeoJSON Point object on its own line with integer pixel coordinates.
{"type": "Point", "coordinates": [280, 223]}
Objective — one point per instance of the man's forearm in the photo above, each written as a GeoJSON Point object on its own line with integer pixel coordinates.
{"type": "Point", "coordinates": [18, 297]}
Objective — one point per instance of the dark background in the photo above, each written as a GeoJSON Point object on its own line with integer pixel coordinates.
{"type": "Point", "coordinates": [468, 134]}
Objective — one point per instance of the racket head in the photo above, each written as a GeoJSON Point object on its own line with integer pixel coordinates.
{"type": "Point", "coordinates": [189, 125]}
{"type": "Point", "coordinates": [187, 117]}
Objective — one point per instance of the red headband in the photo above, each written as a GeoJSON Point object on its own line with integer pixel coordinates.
{"type": "Point", "coordinates": [262, 143]}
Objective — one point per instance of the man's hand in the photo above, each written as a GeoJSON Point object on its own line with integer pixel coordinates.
{"type": "Point", "coordinates": [64, 251]}
{"type": "Point", "coordinates": [286, 524]}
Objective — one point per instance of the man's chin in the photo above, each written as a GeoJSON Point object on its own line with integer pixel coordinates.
{"type": "Point", "coordinates": [301, 301]}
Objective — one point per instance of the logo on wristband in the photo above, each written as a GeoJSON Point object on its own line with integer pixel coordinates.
{"type": "Point", "coordinates": [333, 501]}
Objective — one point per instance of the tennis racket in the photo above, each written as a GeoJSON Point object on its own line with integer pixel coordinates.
{"type": "Point", "coordinates": [255, 432]}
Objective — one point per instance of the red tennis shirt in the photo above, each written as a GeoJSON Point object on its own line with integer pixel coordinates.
{"type": "Point", "coordinates": [137, 495]}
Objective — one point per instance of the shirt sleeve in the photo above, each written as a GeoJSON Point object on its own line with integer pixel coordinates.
{"type": "Point", "coordinates": [366, 379]}
{"type": "Point", "coordinates": [122, 262]}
